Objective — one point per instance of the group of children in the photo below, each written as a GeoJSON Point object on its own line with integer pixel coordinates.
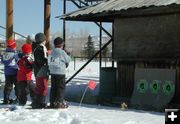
{"type": "Point", "coordinates": [18, 71]}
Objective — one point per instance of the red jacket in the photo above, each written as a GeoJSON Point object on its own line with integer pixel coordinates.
{"type": "Point", "coordinates": [25, 69]}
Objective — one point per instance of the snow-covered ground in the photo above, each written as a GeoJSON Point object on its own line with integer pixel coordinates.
{"type": "Point", "coordinates": [85, 114]}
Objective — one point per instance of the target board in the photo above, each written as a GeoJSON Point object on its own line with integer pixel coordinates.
{"type": "Point", "coordinates": [153, 87]}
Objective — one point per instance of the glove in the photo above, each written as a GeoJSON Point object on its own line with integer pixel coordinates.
{"type": "Point", "coordinates": [20, 55]}
{"type": "Point", "coordinates": [30, 58]}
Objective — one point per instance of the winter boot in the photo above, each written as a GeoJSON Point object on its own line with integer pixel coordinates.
{"type": "Point", "coordinates": [61, 105]}
{"type": "Point", "coordinates": [9, 101]}
{"type": "Point", "coordinates": [39, 102]}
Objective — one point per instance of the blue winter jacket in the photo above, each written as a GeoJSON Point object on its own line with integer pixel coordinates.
{"type": "Point", "coordinates": [58, 61]}
{"type": "Point", "coordinates": [9, 59]}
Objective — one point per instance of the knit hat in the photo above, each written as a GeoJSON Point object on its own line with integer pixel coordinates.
{"type": "Point", "coordinates": [26, 48]}
{"type": "Point", "coordinates": [11, 44]}
{"type": "Point", "coordinates": [58, 41]}
{"type": "Point", "coordinates": [40, 37]}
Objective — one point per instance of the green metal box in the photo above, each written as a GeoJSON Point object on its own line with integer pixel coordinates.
{"type": "Point", "coordinates": [107, 84]}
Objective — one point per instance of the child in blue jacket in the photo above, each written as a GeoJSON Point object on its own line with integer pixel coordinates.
{"type": "Point", "coordinates": [58, 60]}
{"type": "Point", "coordinates": [9, 59]}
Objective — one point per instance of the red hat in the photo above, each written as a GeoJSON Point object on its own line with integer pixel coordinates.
{"type": "Point", "coordinates": [26, 48]}
{"type": "Point", "coordinates": [11, 44]}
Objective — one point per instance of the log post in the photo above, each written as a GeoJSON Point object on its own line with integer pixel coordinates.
{"type": "Point", "coordinates": [47, 6]}
{"type": "Point", "coordinates": [9, 19]}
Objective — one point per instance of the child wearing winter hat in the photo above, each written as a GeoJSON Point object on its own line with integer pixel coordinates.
{"type": "Point", "coordinates": [11, 44]}
{"type": "Point", "coordinates": [24, 75]}
{"type": "Point", "coordinates": [40, 70]}
{"type": "Point", "coordinates": [9, 59]}
{"type": "Point", "coordinates": [58, 60]}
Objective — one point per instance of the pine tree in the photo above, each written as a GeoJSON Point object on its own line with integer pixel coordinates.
{"type": "Point", "coordinates": [89, 48]}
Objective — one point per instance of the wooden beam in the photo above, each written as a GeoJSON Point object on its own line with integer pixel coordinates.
{"type": "Point", "coordinates": [47, 6]}
{"type": "Point", "coordinates": [9, 19]}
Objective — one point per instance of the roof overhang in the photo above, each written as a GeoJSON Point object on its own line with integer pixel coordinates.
{"type": "Point", "coordinates": [91, 13]}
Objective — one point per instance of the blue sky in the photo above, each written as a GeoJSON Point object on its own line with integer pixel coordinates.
{"type": "Point", "coordinates": [28, 17]}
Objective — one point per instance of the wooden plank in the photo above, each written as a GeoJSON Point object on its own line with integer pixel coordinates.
{"type": "Point", "coordinates": [125, 80]}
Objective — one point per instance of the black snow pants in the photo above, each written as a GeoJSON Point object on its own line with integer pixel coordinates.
{"type": "Point", "coordinates": [57, 92]}
{"type": "Point", "coordinates": [9, 81]}
{"type": "Point", "coordinates": [25, 88]}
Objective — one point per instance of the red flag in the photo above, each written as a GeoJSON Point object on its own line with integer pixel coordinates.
{"type": "Point", "coordinates": [92, 84]}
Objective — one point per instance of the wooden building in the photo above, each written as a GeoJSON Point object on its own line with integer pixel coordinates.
{"type": "Point", "coordinates": [146, 46]}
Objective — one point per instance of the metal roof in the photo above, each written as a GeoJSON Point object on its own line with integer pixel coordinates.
{"type": "Point", "coordinates": [114, 6]}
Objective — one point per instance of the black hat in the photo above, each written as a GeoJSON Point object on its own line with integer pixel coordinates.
{"type": "Point", "coordinates": [40, 37]}
{"type": "Point", "coordinates": [58, 41]}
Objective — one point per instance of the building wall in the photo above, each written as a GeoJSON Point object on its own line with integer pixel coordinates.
{"type": "Point", "coordinates": [153, 37]}
{"type": "Point", "coordinates": [146, 42]}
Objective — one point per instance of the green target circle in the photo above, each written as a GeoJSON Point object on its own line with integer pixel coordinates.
{"type": "Point", "coordinates": [155, 86]}
{"type": "Point", "coordinates": [168, 87]}
{"type": "Point", "coordinates": [142, 86]}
